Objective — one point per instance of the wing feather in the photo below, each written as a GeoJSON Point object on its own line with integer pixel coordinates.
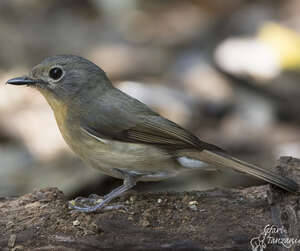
{"type": "Point", "coordinates": [134, 122]}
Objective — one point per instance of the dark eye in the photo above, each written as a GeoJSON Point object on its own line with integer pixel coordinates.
{"type": "Point", "coordinates": [55, 73]}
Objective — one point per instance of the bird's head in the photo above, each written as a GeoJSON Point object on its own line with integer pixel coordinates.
{"type": "Point", "coordinates": [65, 77]}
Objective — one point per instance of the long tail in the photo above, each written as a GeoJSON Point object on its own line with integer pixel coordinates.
{"type": "Point", "coordinates": [222, 160]}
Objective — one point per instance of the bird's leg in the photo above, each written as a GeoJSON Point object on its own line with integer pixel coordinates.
{"type": "Point", "coordinates": [95, 202]}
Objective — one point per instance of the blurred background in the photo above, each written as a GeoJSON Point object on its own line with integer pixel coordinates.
{"type": "Point", "coordinates": [226, 70]}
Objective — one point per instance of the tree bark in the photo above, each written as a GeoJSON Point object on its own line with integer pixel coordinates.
{"type": "Point", "coordinates": [219, 219]}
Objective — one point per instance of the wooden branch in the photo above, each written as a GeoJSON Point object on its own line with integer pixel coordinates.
{"type": "Point", "coordinates": [220, 219]}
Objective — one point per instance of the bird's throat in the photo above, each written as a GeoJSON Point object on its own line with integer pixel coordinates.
{"type": "Point", "coordinates": [59, 107]}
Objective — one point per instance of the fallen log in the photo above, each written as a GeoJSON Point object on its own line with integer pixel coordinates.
{"type": "Point", "coordinates": [219, 219]}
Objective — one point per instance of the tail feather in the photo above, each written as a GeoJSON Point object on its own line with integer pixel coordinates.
{"type": "Point", "coordinates": [222, 160]}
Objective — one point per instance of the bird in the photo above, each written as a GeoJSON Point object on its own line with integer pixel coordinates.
{"type": "Point", "coordinates": [121, 136]}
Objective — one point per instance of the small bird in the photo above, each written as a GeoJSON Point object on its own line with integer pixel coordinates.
{"type": "Point", "coordinates": [121, 136]}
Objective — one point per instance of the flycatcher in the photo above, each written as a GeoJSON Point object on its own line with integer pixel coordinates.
{"type": "Point", "coordinates": [121, 136]}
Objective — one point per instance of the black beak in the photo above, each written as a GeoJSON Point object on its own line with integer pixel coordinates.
{"type": "Point", "coordinates": [21, 81]}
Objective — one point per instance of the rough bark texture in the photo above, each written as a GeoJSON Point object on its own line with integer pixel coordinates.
{"type": "Point", "coordinates": [220, 219]}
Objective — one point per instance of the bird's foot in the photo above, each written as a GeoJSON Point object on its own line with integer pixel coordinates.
{"type": "Point", "coordinates": [94, 202]}
{"type": "Point", "coordinates": [90, 201]}
{"type": "Point", "coordinates": [91, 204]}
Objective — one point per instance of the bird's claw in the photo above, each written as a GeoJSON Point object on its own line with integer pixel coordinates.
{"type": "Point", "coordinates": [92, 204]}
